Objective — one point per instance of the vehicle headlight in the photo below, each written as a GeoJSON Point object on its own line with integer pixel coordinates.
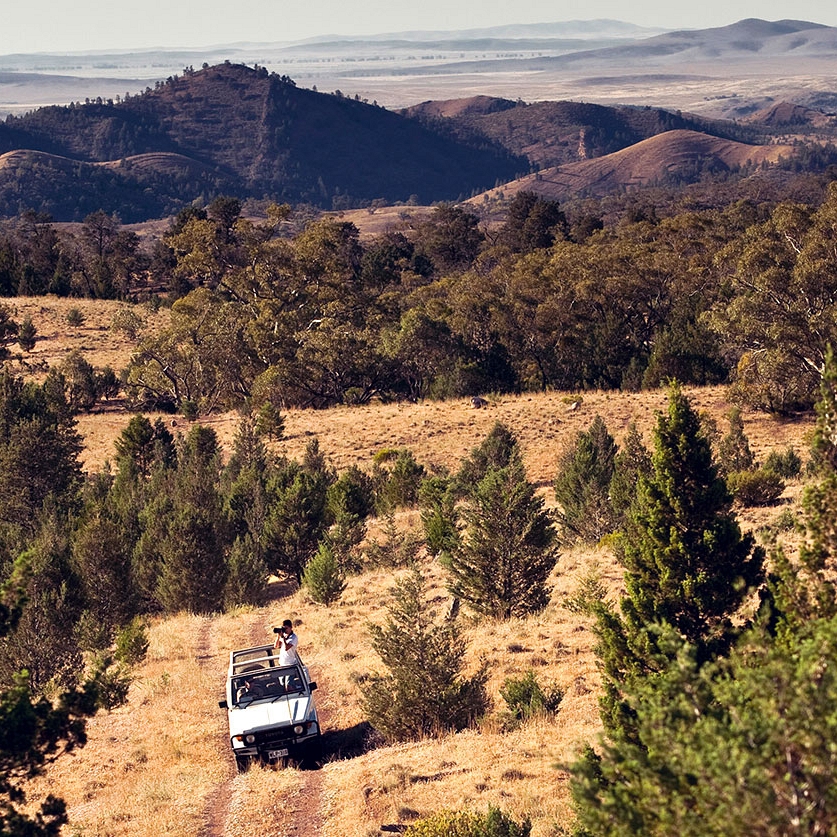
{"type": "Point", "coordinates": [250, 739]}
{"type": "Point", "coordinates": [299, 729]}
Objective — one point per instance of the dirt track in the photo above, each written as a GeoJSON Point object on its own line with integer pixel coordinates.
{"type": "Point", "coordinates": [226, 814]}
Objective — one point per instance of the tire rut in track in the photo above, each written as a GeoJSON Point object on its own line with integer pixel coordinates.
{"type": "Point", "coordinates": [219, 800]}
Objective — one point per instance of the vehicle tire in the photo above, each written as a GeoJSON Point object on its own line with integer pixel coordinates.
{"type": "Point", "coordinates": [242, 764]}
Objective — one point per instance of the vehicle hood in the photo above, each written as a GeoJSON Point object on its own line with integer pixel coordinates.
{"type": "Point", "coordinates": [263, 714]}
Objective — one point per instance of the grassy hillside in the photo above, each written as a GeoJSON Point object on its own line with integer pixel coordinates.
{"type": "Point", "coordinates": [675, 156]}
{"type": "Point", "coordinates": [160, 765]}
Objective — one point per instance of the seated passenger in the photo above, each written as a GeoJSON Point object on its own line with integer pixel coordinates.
{"type": "Point", "coordinates": [249, 690]}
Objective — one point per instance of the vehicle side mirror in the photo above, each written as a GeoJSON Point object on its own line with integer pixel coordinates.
{"type": "Point", "coordinates": [222, 704]}
{"type": "Point", "coordinates": [312, 685]}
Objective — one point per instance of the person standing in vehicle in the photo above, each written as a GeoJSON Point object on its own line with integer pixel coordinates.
{"type": "Point", "coordinates": [286, 642]}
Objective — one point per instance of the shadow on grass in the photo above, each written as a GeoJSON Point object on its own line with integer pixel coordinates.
{"type": "Point", "coordinates": [339, 744]}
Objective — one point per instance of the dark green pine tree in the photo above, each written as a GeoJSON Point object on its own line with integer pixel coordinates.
{"type": "Point", "coordinates": [687, 564]}
{"type": "Point", "coordinates": [33, 729]}
{"type": "Point", "coordinates": [244, 490]}
{"type": "Point", "coordinates": [495, 451]}
{"type": "Point", "coordinates": [102, 550]}
{"type": "Point", "coordinates": [509, 548]}
{"type": "Point", "coordinates": [439, 516]}
{"type": "Point", "coordinates": [193, 570]}
{"type": "Point", "coordinates": [582, 487]}
{"type": "Point", "coordinates": [423, 691]}
{"type": "Point", "coordinates": [631, 460]}
{"type": "Point", "coordinates": [298, 515]}
{"type": "Point", "coordinates": [739, 746]}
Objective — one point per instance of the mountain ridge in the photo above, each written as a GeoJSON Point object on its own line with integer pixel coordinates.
{"type": "Point", "coordinates": [264, 136]}
{"type": "Point", "coordinates": [658, 159]}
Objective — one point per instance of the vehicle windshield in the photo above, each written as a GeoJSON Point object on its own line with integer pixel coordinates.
{"type": "Point", "coordinates": [267, 684]}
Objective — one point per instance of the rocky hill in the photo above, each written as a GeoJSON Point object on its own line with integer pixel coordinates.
{"type": "Point", "coordinates": [554, 133]}
{"type": "Point", "coordinates": [239, 130]}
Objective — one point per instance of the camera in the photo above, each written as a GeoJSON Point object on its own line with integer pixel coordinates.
{"type": "Point", "coordinates": [277, 630]}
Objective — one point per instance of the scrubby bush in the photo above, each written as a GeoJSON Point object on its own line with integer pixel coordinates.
{"type": "Point", "coordinates": [113, 679]}
{"type": "Point", "coordinates": [787, 465]}
{"type": "Point", "coordinates": [755, 488]}
{"type": "Point", "coordinates": [27, 334]}
{"type": "Point", "coordinates": [395, 549]}
{"type": "Point", "coordinates": [75, 317]}
{"type": "Point", "coordinates": [524, 697]}
{"type": "Point", "coordinates": [494, 823]}
{"type": "Point", "coordinates": [590, 592]}
{"type": "Point", "coordinates": [399, 485]}
{"type": "Point", "coordinates": [734, 452]}
{"type": "Point", "coordinates": [132, 642]}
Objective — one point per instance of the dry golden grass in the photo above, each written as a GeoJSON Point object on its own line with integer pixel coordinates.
{"type": "Point", "coordinates": [161, 764]}
{"type": "Point", "coordinates": [94, 338]}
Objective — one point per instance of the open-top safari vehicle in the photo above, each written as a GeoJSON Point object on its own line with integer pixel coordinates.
{"type": "Point", "coordinates": [270, 709]}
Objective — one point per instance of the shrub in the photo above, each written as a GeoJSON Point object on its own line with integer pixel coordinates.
{"type": "Point", "coordinates": [524, 697]}
{"type": "Point", "coordinates": [353, 493]}
{"type": "Point", "coordinates": [189, 409]}
{"type": "Point", "coordinates": [591, 590]}
{"type": "Point", "coordinates": [423, 692]}
{"type": "Point", "coordinates": [396, 549]}
{"type": "Point", "coordinates": [755, 488]}
{"type": "Point", "coordinates": [323, 578]}
{"type": "Point", "coordinates": [26, 334]}
{"type": "Point", "coordinates": [132, 642]}
{"type": "Point", "coordinates": [494, 823]}
{"type": "Point", "coordinates": [734, 452]}
{"type": "Point", "coordinates": [270, 421]}
{"type": "Point", "coordinates": [787, 465]}
{"type": "Point", "coordinates": [128, 322]}
{"type": "Point", "coordinates": [75, 317]}
{"type": "Point", "coordinates": [112, 681]}
{"type": "Point", "coordinates": [439, 516]}
{"type": "Point", "coordinates": [400, 486]}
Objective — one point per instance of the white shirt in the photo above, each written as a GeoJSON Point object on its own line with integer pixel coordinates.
{"type": "Point", "coordinates": [287, 650]}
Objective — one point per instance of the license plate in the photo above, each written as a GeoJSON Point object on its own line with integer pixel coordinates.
{"type": "Point", "coordinates": [277, 754]}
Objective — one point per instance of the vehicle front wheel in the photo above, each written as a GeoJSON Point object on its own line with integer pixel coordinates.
{"type": "Point", "coordinates": [242, 764]}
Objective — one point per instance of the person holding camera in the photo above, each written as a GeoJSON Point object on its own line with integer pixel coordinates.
{"type": "Point", "coordinates": [286, 642]}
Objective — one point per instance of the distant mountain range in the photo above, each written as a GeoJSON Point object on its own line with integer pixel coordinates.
{"type": "Point", "coordinates": [234, 129]}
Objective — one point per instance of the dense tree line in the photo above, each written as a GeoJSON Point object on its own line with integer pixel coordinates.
{"type": "Point", "coordinates": [447, 310]}
{"type": "Point", "coordinates": [453, 307]}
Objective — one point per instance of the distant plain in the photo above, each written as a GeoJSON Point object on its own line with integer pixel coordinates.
{"type": "Point", "coordinates": [727, 73]}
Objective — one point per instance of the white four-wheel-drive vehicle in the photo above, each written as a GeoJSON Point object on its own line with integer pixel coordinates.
{"type": "Point", "coordinates": [270, 709]}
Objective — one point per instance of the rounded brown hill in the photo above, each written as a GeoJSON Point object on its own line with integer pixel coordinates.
{"type": "Point", "coordinates": [787, 114]}
{"type": "Point", "coordinates": [651, 161]}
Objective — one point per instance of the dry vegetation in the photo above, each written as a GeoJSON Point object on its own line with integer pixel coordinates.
{"type": "Point", "coordinates": [160, 765]}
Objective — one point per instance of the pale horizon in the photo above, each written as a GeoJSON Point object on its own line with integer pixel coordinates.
{"type": "Point", "coordinates": [94, 26]}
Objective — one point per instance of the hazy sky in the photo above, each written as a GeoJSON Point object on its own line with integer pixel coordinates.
{"type": "Point", "coordinates": [62, 25]}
